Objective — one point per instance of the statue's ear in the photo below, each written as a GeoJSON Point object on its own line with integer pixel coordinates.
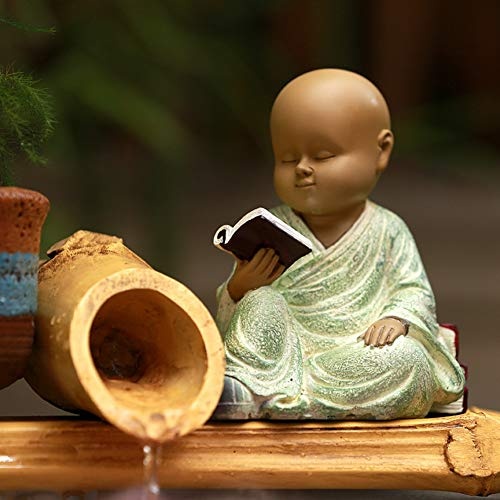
{"type": "Point", "coordinates": [385, 142]}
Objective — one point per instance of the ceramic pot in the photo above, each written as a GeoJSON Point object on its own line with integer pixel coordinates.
{"type": "Point", "coordinates": [117, 339]}
{"type": "Point", "coordinates": [22, 214]}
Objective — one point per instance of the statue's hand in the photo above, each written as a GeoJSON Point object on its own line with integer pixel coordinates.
{"type": "Point", "coordinates": [262, 270]}
{"type": "Point", "coordinates": [384, 332]}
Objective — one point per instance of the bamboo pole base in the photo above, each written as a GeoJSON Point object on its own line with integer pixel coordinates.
{"type": "Point", "coordinates": [458, 453]}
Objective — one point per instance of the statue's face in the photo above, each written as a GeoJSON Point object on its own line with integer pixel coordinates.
{"type": "Point", "coordinates": [325, 159]}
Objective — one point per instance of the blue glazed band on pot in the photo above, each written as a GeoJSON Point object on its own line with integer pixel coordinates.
{"type": "Point", "coordinates": [18, 283]}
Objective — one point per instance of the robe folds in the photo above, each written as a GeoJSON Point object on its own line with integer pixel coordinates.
{"type": "Point", "coordinates": [296, 343]}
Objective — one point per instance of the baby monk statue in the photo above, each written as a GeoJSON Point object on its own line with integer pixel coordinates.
{"type": "Point", "coordinates": [349, 331]}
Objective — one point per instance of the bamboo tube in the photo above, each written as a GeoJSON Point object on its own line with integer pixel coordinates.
{"type": "Point", "coordinates": [457, 453]}
{"type": "Point", "coordinates": [117, 339]}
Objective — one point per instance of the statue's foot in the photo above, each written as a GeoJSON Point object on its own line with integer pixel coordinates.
{"type": "Point", "coordinates": [236, 403]}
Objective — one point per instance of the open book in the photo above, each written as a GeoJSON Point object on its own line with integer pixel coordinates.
{"type": "Point", "coordinates": [261, 229]}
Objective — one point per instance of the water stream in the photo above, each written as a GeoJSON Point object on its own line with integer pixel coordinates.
{"type": "Point", "coordinates": [151, 461]}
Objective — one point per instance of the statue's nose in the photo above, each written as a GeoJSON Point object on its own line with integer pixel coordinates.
{"type": "Point", "coordinates": [303, 169]}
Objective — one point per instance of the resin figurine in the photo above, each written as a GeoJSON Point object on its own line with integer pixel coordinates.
{"type": "Point", "coordinates": [349, 331]}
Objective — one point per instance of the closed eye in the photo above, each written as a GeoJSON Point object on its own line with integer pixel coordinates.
{"type": "Point", "coordinates": [289, 161]}
{"type": "Point", "coordinates": [326, 156]}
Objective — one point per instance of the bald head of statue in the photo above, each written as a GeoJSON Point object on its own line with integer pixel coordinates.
{"type": "Point", "coordinates": [331, 137]}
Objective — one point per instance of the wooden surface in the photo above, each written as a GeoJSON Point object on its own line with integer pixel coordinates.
{"type": "Point", "coordinates": [458, 453]}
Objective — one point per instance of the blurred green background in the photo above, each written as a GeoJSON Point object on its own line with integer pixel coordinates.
{"type": "Point", "coordinates": [162, 131]}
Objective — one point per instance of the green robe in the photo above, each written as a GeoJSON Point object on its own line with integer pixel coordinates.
{"type": "Point", "coordinates": [295, 344]}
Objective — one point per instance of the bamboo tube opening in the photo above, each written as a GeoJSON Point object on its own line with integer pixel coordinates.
{"type": "Point", "coordinates": [121, 341]}
{"type": "Point", "coordinates": [147, 349]}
